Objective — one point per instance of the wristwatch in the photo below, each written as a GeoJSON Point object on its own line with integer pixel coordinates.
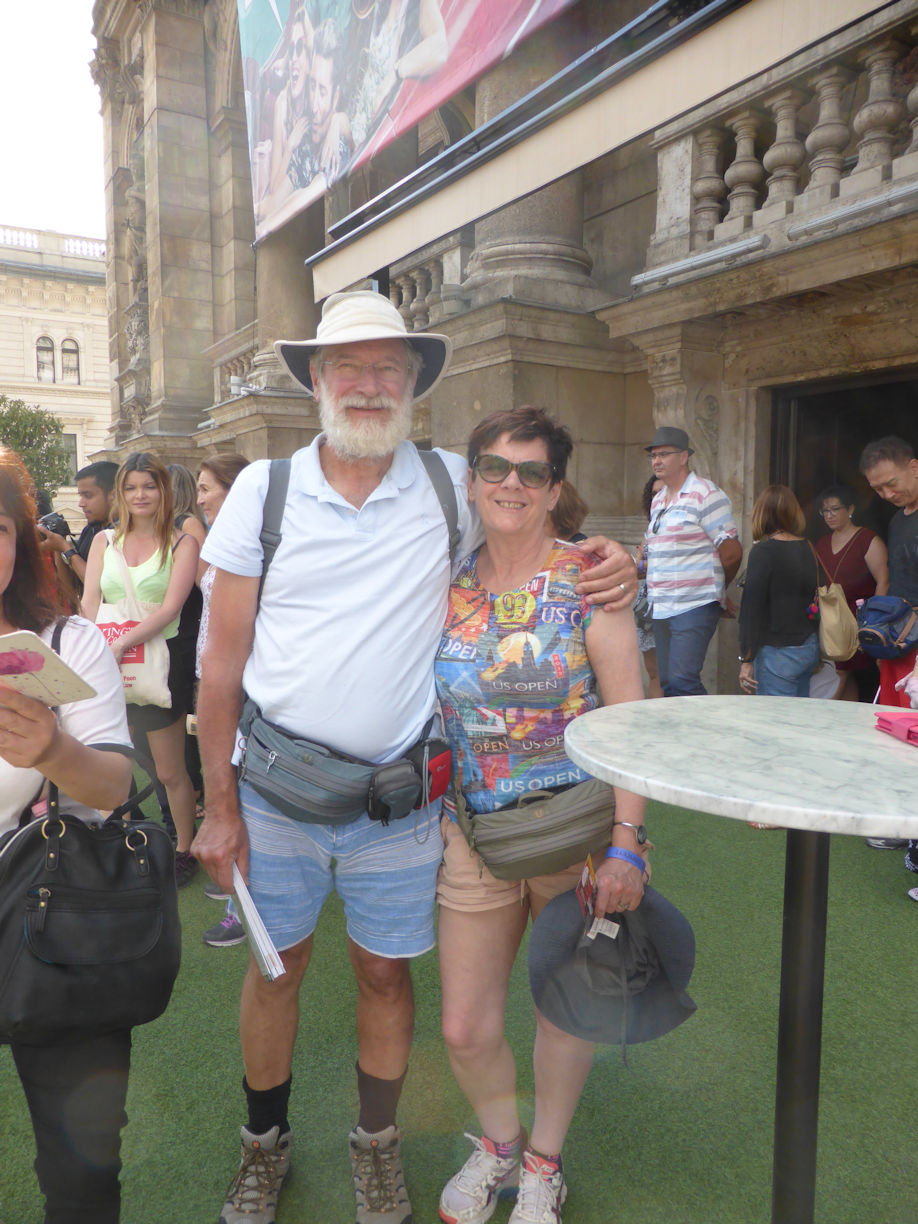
{"type": "Point", "coordinates": [640, 832]}
{"type": "Point", "coordinates": [69, 555]}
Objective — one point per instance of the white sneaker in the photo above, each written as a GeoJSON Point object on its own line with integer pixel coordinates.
{"type": "Point", "coordinates": [541, 1193]}
{"type": "Point", "coordinates": [470, 1197]}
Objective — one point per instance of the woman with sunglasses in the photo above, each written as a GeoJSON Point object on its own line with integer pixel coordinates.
{"type": "Point", "coordinates": [856, 558]}
{"type": "Point", "coordinates": [520, 657]}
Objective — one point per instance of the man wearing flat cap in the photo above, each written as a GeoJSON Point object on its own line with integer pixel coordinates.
{"type": "Point", "coordinates": [692, 554]}
{"type": "Point", "coordinates": [338, 650]}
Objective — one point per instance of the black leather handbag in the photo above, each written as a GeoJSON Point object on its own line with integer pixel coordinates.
{"type": "Point", "coordinates": [90, 939]}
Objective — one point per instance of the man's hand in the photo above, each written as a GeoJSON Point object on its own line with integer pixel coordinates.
{"type": "Point", "coordinates": [221, 841]}
{"type": "Point", "coordinates": [613, 583]}
{"type": "Point", "coordinates": [51, 542]}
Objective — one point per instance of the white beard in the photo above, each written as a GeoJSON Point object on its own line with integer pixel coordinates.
{"type": "Point", "coordinates": [369, 438]}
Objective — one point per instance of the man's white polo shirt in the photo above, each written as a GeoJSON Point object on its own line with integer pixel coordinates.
{"type": "Point", "coordinates": [353, 607]}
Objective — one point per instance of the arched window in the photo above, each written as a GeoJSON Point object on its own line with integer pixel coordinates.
{"type": "Point", "coordinates": [70, 361]}
{"type": "Point", "coordinates": [44, 359]}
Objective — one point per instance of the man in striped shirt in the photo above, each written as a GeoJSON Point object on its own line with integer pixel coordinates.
{"type": "Point", "coordinates": [692, 554]}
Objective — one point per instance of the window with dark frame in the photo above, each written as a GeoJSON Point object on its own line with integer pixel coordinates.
{"type": "Point", "coordinates": [44, 359]}
{"type": "Point", "coordinates": [70, 361]}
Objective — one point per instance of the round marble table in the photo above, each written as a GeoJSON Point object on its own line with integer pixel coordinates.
{"type": "Point", "coordinates": [813, 767]}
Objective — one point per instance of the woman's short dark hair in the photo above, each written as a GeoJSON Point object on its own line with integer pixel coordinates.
{"type": "Point", "coordinates": [525, 424]}
{"type": "Point", "coordinates": [842, 493]}
{"type": "Point", "coordinates": [31, 600]}
{"type": "Point", "coordinates": [777, 509]}
{"type": "Point", "coordinates": [224, 468]}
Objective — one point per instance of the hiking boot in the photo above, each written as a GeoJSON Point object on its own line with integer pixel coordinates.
{"type": "Point", "coordinates": [265, 1165]}
{"type": "Point", "coordinates": [470, 1197]}
{"type": "Point", "coordinates": [379, 1183]}
{"type": "Point", "coordinates": [228, 932]}
{"type": "Point", "coordinates": [541, 1194]}
{"type": "Point", "coordinates": [186, 868]}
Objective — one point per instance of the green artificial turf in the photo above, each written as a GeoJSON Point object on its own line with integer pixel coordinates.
{"type": "Point", "coordinates": [682, 1135]}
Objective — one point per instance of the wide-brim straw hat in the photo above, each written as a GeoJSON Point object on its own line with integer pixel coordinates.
{"type": "Point", "coordinates": [577, 984]}
{"type": "Point", "coordinates": [348, 318]}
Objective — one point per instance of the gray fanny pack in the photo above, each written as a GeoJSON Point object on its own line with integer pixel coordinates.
{"type": "Point", "coordinates": [314, 784]}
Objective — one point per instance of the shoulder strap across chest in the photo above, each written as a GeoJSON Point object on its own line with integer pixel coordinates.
{"type": "Point", "coordinates": [276, 499]}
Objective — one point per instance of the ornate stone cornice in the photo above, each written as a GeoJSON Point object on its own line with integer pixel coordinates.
{"type": "Point", "coordinates": [184, 8]}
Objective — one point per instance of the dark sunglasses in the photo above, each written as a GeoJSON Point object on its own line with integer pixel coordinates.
{"type": "Point", "coordinates": [533, 473]}
{"type": "Point", "coordinates": [298, 47]}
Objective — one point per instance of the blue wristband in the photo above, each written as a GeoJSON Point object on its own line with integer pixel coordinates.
{"type": "Point", "coordinates": [629, 856]}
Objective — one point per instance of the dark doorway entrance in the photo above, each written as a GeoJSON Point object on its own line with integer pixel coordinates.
{"type": "Point", "coordinates": [818, 433]}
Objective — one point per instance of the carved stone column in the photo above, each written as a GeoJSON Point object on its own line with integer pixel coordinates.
{"type": "Point", "coordinates": [531, 249]}
{"type": "Point", "coordinates": [830, 135]}
{"type": "Point", "coordinates": [785, 156]}
{"type": "Point", "coordinates": [744, 175]}
{"type": "Point", "coordinates": [708, 186]}
{"type": "Point", "coordinates": [875, 122]}
{"type": "Point", "coordinates": [685, 371]}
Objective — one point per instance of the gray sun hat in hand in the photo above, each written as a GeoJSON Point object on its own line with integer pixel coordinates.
{"type": "Point", "coordinates": [614, 991]}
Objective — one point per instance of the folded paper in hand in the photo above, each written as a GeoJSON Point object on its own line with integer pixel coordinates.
{"type": "Point", "coordinates": [261, 943]}
{"type": "Point", "coordinates": [903, 725]}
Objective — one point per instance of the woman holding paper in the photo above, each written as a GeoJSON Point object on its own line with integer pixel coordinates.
{"type": "Point", "coordinates": [162, 562]}
{"type": "Point", "coordinates": [75, 1092]}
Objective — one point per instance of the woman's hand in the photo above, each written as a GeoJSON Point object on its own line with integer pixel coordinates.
{"type": "Point", "coordinates": [619, 886]}
{"type": "Point", "coordinates": [29, 731]}
{"type": "Point", "coordinates": [747, 680]}
{"type": "Point", "coordinates": [118, 647]}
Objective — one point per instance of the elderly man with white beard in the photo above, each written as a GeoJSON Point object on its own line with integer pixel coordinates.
{"type": "Point", "coordinates": [338, 650]}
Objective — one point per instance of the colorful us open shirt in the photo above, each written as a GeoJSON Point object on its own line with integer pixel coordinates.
{"type": "Point", "coordinates": [512, 672]}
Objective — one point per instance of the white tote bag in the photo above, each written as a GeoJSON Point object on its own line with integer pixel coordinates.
{"type": "Point", "coordinates": [144, 668]}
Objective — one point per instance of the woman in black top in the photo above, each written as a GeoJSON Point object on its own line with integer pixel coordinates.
{"type": "Point", "coordinates": [779, 644]}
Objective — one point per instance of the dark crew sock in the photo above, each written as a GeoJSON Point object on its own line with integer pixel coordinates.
{"type": "Point", "coordinates": [378, 1100]}
{"type": "Point", "coordinates": [268, 1108]}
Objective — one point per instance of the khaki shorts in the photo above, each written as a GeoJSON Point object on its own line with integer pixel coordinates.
{"type": "Point", "coordinates": [464, 883]}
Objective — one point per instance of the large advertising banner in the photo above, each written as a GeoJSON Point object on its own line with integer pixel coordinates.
{"type": "Point", "coordinates": [329, 83]}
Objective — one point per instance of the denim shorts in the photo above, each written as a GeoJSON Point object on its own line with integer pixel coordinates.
{"type": "Point", "coordinates": [386, 875]}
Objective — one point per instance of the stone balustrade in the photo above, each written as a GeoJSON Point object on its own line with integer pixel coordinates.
{"type": "Point", "coordinates": [814, 145]}
{"type": "Point", "coordinates": [233, 358]}
{"type": "Point", "coordinates": [46, 243]}
{"type": "Point", "coordinates": [426, 286]}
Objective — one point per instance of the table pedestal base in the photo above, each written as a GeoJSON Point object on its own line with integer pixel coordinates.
{"type": "Point", "coordinates": [803, 956]}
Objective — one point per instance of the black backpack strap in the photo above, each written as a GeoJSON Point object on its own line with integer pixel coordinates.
{"type": "Point", "coordinates": [445, 490]}
{"type": "Point", "coordinates": [273, 514]}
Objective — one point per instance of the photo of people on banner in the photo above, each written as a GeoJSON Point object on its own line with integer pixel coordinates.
{"type": "Point", "coordinates": [328, 83]}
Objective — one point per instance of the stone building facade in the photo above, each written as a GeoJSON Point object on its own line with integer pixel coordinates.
{"type": "Point", "coordinates": [54, 337]}
{"type": "Point", "coordinates": [702, 214]}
